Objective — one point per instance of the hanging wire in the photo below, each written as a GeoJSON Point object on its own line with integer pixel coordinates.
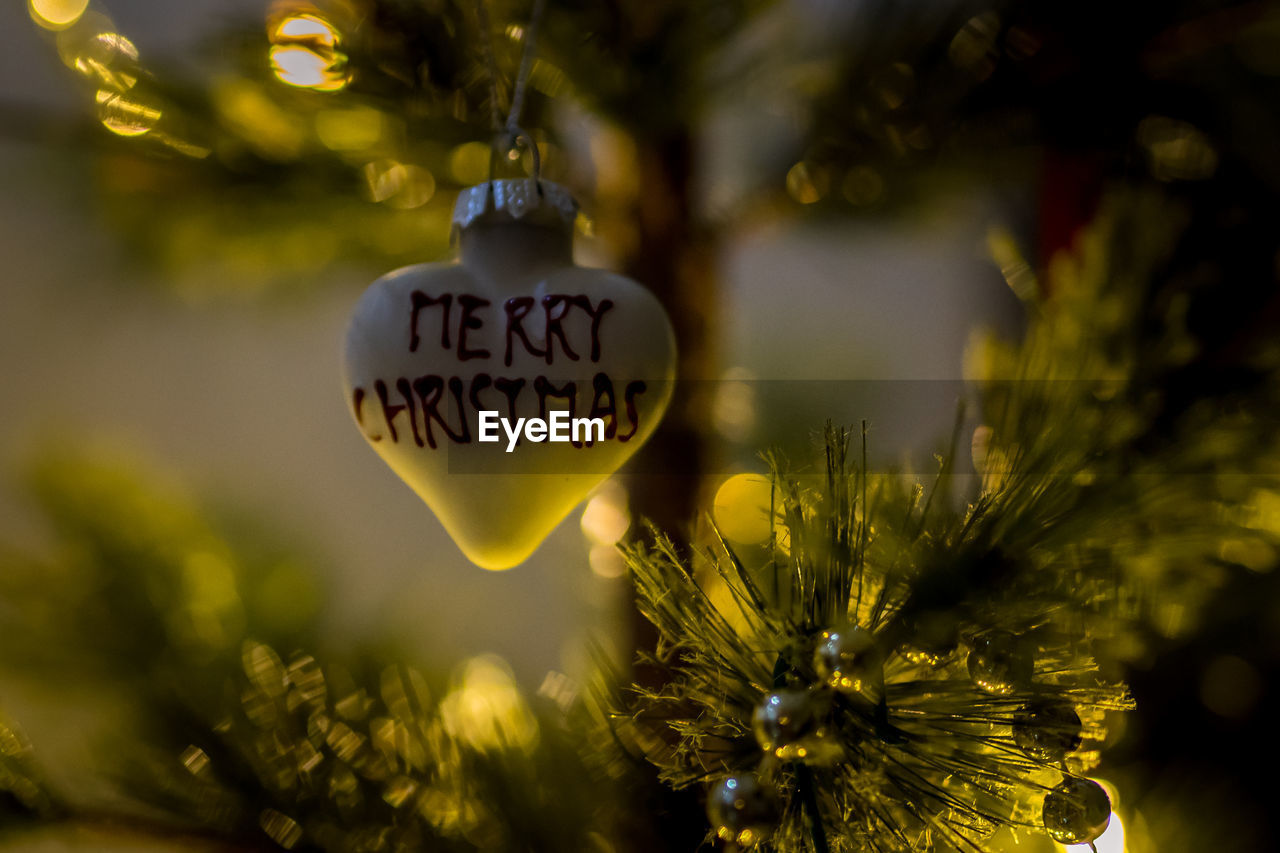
{"type": "Point", "coordinates": [491, 64]}
{"type": "Point", "coordinates": [510, 134]}
{"type": "Point", "coordinates": [526, 64]}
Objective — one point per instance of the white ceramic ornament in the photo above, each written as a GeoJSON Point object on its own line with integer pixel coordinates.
{"type": "Point", "coordinates": [512, 327]}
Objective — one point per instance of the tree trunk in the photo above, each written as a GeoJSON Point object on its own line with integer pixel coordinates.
{"type": "Point", "coordinates": [675, 259]}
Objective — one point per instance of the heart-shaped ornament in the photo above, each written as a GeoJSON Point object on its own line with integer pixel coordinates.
{"type": "Point", "coordinates": [505, 385]}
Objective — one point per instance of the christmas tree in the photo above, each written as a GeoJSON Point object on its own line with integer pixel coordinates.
{"type": "Point", "coordinates": [833, 590]}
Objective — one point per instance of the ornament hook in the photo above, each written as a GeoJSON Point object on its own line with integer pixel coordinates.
{"type": "Point", "coordinates": [509, 135]}
{"type": "Point", "coordinates": [510, 139]}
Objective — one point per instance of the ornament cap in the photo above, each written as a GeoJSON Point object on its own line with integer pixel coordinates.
{"type": "Point", "coordinates": [530, 200]}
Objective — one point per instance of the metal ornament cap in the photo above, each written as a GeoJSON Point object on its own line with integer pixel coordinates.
{"type": "Point", "coordinates": [529, 200]}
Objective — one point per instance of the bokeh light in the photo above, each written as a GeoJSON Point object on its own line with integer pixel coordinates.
{"type": "Point", "coordinates": [301, 67]}
{"type": "Point", "coordinates": [310, 28]}
{"type": "Point", "coordinates": [1017, 272]}
{"type": "Point", "coordinates": [245, 107]}
{"type": "Point", "coordinates": [862, 185]}
{"type": "Point", "coordinates": [1176, 151]}
{"type": "Point", "coordinates": [280, 828]}
{"type": "Point", "coordinates": [469, 163]}
{"type": "Point", "coordinates": [196, 761]}
{"type": "Point", "coordinates": [486, 709]}
{"type": "Point", "coordinates": [356, 129]}
{"type": "Point", "coordinates": [605, 519]}
{"type": "Point", "coordinates": [89, 43]}
{"type": "Point", "coordinates": [108, 59]}
{"type": "Point", "coordinates": [1255, 554]}
{"type": "Point", "coordinates": [974, 47]}
{"type": "Point", "coordinates": [741, 508]}
{"type": "Point", "coordinates": [734, 408]}
{"type": "Point", "coordinates": [213, 599]}
{"type": "Point", "coordinates": [56, 14]}
{"type": "Point", "coordinates": [607, 562]}
{"type": "Point", "coordinates": [806, 182]}
{"type": "Point", "coordinates": [305, 53]}
{"type": "Point", "coordinates": [399, 185]}
{"type": "Point", "coordinates": [125, 116]}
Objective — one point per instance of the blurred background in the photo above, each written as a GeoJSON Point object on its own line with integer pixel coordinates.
{"type": "Point", "coordinates": [831, 197]}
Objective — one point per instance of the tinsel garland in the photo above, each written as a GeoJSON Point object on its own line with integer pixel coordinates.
{"type": "Point", "coordinates": [896, 683]}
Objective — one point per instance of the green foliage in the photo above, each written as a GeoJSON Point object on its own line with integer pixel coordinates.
{"type": "Point", "coordinates": [1102, 514]}
{"type": "Point", "coordinates": [317, 758]}
{"type": "Point", "coordinates": [927, 758]}
{"type": "Point", "coordinates": [142, 578]}
{"type": "Point", "coordinates": [22, 793]}
{"type": "Point", "coordinates": [147, 596]}
{"type": "Point", "coordinates": [1086, 534]}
